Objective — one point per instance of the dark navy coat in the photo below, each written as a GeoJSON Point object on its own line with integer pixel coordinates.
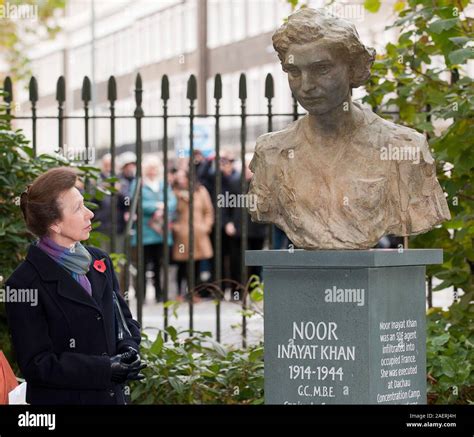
{"type": "Point", "coordinates": [63, 344]}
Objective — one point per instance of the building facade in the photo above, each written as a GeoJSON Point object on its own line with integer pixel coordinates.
{"type": "Point", "coordinates": [100, 38]}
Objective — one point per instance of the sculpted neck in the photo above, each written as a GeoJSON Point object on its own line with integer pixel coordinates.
{"type": "Point", "coordinates": [338, 121]}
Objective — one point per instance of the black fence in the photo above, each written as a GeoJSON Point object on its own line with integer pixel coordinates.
{"type": "Point", "coordinates": [136, 205]}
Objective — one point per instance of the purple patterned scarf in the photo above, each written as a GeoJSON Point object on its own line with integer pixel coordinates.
{"type": "Point", "coordinates": [76, 259]}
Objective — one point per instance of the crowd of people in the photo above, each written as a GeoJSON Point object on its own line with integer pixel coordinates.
{"type": "Point", "coordinates": [205, 206]}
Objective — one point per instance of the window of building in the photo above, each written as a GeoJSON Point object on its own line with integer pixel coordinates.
{"type": "Point", "coordinates": [178, 20]}
{"type": "Point", "coordinates": [191, 26]}
{"type": "Point", "coordinates": [253, 11]}
{"type": "Point", "coordinates": [166, 35]}
{"type": "Point", "coordinates": [212, 23]}
{"type": "Point", "coordinates": [225, 23]}
{"type": "Point", "coordinates": [238, 20]}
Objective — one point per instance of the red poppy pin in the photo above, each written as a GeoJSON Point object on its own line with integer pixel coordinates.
{"type": "Point", "coordinates": [99, 265]}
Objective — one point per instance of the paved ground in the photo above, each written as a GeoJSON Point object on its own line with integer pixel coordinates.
{"type": "Point", "coordinates": [204, 317]}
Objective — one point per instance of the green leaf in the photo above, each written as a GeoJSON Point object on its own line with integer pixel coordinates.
{"type": "Point", "coordinates": [218, 348]}
{"type": "Point", "coordinates": [172, 332]}
{"type": "Point", "coordinates": [440, 340]}
{"type": "Point", "coordinates": [448, 366]}
{"type": "Point", "coordinates": [461, 56]}
{"type": "Point", "coordinates": [443, 25]}
{"type": "Point", "coordinates": [460, 40]}
{"type": "Point", "coordinates": [372, 5]}
{"type": "Point", "coordinates": [86, 168]}
{"type": "Point", "coordinates": [399, 6]}
{"type": "Point", "coordinates": [157, 345]}
{"type": "Point", "coordinates": [256, 354]}
{"type": "Point", "coordinates": [177, 384]}
{"type": "Point", "coordinates": [293, 3]}
{"type": "Point", "coordinates": [257, 295]}
{"type": "Point", "coordinates": [28, 151]}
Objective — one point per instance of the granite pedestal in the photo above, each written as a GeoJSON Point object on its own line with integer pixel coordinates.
{"type": "Point", "coordinates": [345, 326]}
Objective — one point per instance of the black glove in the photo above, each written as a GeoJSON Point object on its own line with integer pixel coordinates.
{"type": "Point", "coordinates": [120, 370]}
{"type": "Point", "coordinates": [130, 355]}
{"type": "Point", "coordinates": [126, 366]}
{"type": "Point", "coordinates": [135, 375]}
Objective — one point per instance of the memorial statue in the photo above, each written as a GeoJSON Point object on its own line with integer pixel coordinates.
{"type": "Point", "coordinates": [341, 177]}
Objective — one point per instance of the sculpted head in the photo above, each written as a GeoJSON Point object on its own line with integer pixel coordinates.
{"type": "Point", "coordinates": [324, 58]}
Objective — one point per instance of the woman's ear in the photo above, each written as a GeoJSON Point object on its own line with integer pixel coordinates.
{"type": "Point", "coordinates": [55, 228]}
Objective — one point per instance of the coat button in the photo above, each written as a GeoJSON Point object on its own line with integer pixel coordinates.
{"type": "Point", "coordinates": [105, 354]}
{"type": "Point", "coordinates": [98, 317]}
{"type": "Point", "coordinates": [111, 393]}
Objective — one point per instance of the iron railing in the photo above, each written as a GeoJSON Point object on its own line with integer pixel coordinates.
{"type": "Point", "coordinates": [136, 205]}
{"type": "Point", "coordinates": [139, 116]}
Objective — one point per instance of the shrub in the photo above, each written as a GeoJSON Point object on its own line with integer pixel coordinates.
{"type": "Point", "coordinates": [450, 355]}
{"type": "Point", "coordinates": [198, 370]}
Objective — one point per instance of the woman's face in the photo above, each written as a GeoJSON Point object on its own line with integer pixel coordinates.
{"type": "Point", "coordinates": [181, 180]}
{"type": "Point", "coordinates": [151, 171]}
{"type": "Point", "coordinates": [76, 219]}
{"type": "Point", "coordinates": [318, 77]}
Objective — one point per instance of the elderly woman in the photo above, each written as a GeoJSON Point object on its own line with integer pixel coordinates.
{"type": "Point", "coordinates": [153, 219]}
{"type": "Point", "coordinates": [77, 343]}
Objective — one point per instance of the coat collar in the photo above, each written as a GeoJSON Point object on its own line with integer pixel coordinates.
{"type": "Point", "coordinates": [67, 286]}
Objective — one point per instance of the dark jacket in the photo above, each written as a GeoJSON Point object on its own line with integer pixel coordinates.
{"type": "Point", "coordinates": [234, 214]}
{"type": "Point", "coordinates": [63, 344]}
{"type": "Point", "coordinates": [103, 212]}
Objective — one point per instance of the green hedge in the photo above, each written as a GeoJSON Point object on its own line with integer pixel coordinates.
{"type": "Point", "coordinates": [198, 370]}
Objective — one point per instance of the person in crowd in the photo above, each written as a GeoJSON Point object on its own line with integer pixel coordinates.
{"type": "Point", "coordinates": [66, 334]}
{"type": "Point", "coordinates": [205, 174]}
{"type": "Point", "coordinates": [230, 242]}
{"type": "Point", "coordinates": [153, 219]}
{"type": "Point", "coordinates": [128, 169]}
{"type": "Point", "coordinates": [103, 213]}
{"type": "Point", "coordinates": [256, 232]}
{"type": "Point", "coordinates": [390, 242]}
{"type": "Point", "coordinates": [230, 184]}
{"type": "Point", "coordinates": [205, 171]}
{"type": "Point", "coordinates": [203, 221]}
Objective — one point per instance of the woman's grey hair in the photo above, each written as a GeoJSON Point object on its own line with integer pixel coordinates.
{"type": "Point", "coordinates": [309, 25]}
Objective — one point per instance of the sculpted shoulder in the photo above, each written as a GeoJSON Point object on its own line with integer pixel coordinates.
{"type": "Point", "coordinates": [274, 142]}
{"type": "Point", "coordinates": [397, 136]}
{"type": "Point", "coordinates": [270, 145]}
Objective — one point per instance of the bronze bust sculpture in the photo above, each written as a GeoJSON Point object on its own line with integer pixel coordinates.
{"type": "Point", "coordinates": [341, 177]}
